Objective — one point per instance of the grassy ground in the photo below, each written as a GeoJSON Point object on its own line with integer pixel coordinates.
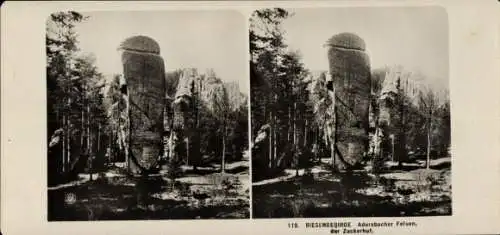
{"type": "Point", "coordinates": [411, 191]}
{"type": "Point", "coordinates": [114, 196]}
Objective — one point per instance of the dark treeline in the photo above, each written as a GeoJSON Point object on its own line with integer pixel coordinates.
{"type": "Point", "coordinates": [282, 124]}
{"type": "Point", "coordinates": [77, 120]}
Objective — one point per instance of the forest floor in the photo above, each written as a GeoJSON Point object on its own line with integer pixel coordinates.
{"type": "Point", "coordinates": [410, 190]}
{"type": "Point", "coordinates": [112, 195]}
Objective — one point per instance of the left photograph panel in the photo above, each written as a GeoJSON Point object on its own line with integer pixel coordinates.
{"type": "Point", "coordinates": [147, 115]}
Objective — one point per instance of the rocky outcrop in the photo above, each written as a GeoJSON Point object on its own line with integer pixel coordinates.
{"type": "Point", "coordinates": [234, 94]}
{"type": "Point", "coordinates": [387, 138]}
{"type": "Point", "coordinates": [195, 97]}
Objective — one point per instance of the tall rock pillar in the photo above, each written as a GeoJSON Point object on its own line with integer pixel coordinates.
{"type": "Point", "coordinates": [349, 67]}
{"type": "Point", "coordinates": [144, 72]}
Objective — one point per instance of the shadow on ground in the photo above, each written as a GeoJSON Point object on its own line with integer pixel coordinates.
{"type": "Point", "coordinates": [126, 198]}
{"type": "Point", "coordinates": [417, 192]}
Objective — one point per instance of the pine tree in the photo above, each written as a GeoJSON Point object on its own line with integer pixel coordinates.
{"type": "Point", "coordinates": [74, 95]}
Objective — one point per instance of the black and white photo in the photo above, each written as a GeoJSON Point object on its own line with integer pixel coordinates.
{"type": "Point", "coordinates": [249, 117]}
{"type": "Point", "coordinates": [350, 112]}
{"type": "Point", "coordinates": [147, 115]}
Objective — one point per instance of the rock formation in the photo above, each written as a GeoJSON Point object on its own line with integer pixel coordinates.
{"type": "Point", "coordinates": [349, 68]}
{"type": "Point", "coordinates": [394, 82]}
{"type": "Point", "coordinates": [144, 71]}
{"type": "Point", "coordinates": [195, 97]}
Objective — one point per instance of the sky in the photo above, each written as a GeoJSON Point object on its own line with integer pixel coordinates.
{"type": "Point", "coordinates": [414, 37]}
{"type": "Point", "coordinates": [198, 39]}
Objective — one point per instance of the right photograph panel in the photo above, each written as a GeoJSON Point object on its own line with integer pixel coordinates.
{"type": "Point", "coordinates": [350, 112]}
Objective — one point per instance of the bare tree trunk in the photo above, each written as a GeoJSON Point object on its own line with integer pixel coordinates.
{"type": "Point", "coordinates": [316, 142]}
{"type": "Point", "coordinates": [187, 151]}
{"type": "Point", "coordinates": [332, 153]}
{"type": "Point", "coordinates": [171, 145]}
{"type": "Point", "coordinates": [82, 130]}
{"type": "Point", "coordinates": [392, 145]}
{"type": "Point", "coordinates": [58, 125]}
{"type": "Point", "coordinates": [89, 143]}
{"type": "Point", "coordinates": [275, 142]}
{"type": "Point", "coordinates": [223, 165]}
{"type": "Point", "coordinates": [125, 139]}
{"type": "Point", "coordinates": [82, 133]}
{"type": "Point", "coordinates": [98, 137]}
{"type": "Point", "coordinates": [110, 146]}
{"type": "Point", "coordinates": [335, 137]}
{"type": "Point", "coordinates": [305, 133]}
{"type": "Point", "coordinates": [294, 124]}
{"type": "Point", "coordinates": [402, 135]}
{"type": "Point", "coordinates": [429, 144]}
{"type": "Point", "coordinates": [270, 137]}
{"type": "Point", "coordinates": [291, 91]}
{"type": "Point", "coordinates": [295, 155]}
{"type": "Point", "coordinates": [68, 137]}
{"type": "Point", "coordinates": [289, 124]}
{"type": "Point", "coordinates": [197, 128]}
{"type": "Point", "coordinates": [68, 145]}
{"type": "Point", "coordinates": [335, 128]}
{"type": "Point", "coordinates": [63, 137]}
{"type": "Point", "coordinates": [381, 150]}
{"type": "Point", "coordinates": [99, 141]}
